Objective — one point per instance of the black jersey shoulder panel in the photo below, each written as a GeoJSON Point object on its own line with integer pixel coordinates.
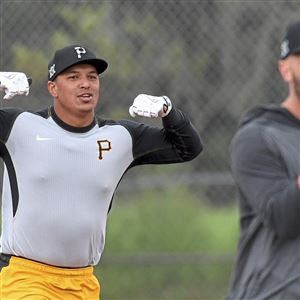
{"type": "Point", "coordinates": [8, 116]}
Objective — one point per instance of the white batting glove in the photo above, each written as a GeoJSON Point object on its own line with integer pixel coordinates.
{"type": "Point", "coordinates": [13, 83]}
{"type": "Point", "coordinates": [150, 106]}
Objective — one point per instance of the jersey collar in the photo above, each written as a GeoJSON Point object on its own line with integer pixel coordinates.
{"type": "Point", "coordinates": [68, 127]}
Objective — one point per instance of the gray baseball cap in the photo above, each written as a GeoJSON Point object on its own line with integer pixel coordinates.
{"type": "Point", "coordinates": [72, 55]}
{"type": "Point", "coordinates": [291, 41]}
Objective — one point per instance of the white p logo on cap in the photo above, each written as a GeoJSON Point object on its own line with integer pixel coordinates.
{"type": "Point", "coordinates": [80, 50]}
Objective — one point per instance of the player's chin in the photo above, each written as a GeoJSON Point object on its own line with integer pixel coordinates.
{"type": "Point", "coordinates": [85, 104]}
{"type": "Point", "coordinates": [87, 107]}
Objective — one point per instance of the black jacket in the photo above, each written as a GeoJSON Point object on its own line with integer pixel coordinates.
{"type": "Point", "coordinates": [265, 162]}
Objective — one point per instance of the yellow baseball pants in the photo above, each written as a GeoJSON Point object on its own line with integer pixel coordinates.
{"type": "Point", "coordinates": [24, 279]}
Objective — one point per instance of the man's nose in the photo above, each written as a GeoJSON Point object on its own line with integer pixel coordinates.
{"type": "Point", "coordinates": [84, 83]}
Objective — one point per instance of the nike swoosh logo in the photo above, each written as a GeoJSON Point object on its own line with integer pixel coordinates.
{"type": "Point", "coordinates": [38, 138]}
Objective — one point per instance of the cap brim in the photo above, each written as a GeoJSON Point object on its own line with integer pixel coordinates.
{"type": "Point", "coordinates": [100, 64]}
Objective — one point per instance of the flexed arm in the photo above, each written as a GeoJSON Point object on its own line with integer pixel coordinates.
{"type": "Point", "coordinates": [177, 141]}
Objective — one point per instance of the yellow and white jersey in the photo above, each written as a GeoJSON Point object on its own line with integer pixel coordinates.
{"type": "Point", "coordinates": [59, 180]}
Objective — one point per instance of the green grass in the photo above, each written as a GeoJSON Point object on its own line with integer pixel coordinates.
{"type": "Point", "coordinates": [157, 282]}
{"type": "Point", "coordinates": [194, 237]}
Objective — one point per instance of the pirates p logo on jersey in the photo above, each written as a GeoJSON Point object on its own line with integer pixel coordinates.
{"type": "Point", "coordinates": [104, 145]}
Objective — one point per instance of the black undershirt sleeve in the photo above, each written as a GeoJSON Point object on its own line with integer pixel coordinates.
{"type": "Point", "coordinates": [177, 141]}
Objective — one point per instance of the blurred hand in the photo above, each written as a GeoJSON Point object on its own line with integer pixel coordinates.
{"type": "Point", "coordinates": [13, 83]}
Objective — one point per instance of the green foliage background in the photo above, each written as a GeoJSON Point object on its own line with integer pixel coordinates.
{"type": "Point", "coordinates": [187, 247]}
{"type": "Point", "coordinates": [215, 59]}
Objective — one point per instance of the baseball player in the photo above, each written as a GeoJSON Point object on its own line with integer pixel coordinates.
{"type": "Point", "coordinates": [62, 167]}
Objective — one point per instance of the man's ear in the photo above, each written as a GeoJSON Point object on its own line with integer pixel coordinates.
{"type": "Point", "coordinates": [52, 88]}
{"type": "Point", "coordinates": [283, 67]}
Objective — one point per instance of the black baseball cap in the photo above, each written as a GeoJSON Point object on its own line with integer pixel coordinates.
{"type": "Point", "coordinates": [72, 55]}
{"type": "Point", "coordinates": [291, 41]}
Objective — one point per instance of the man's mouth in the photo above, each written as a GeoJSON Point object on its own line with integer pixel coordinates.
{"type": "Point", "coordinates": [86, 97]}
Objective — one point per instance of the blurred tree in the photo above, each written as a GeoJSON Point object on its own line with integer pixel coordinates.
{"type": "Point", "coordinates": [213, 58]}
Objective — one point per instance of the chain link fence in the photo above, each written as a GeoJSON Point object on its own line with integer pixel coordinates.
{"type": "Point", "coordinates": [214, 59]}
